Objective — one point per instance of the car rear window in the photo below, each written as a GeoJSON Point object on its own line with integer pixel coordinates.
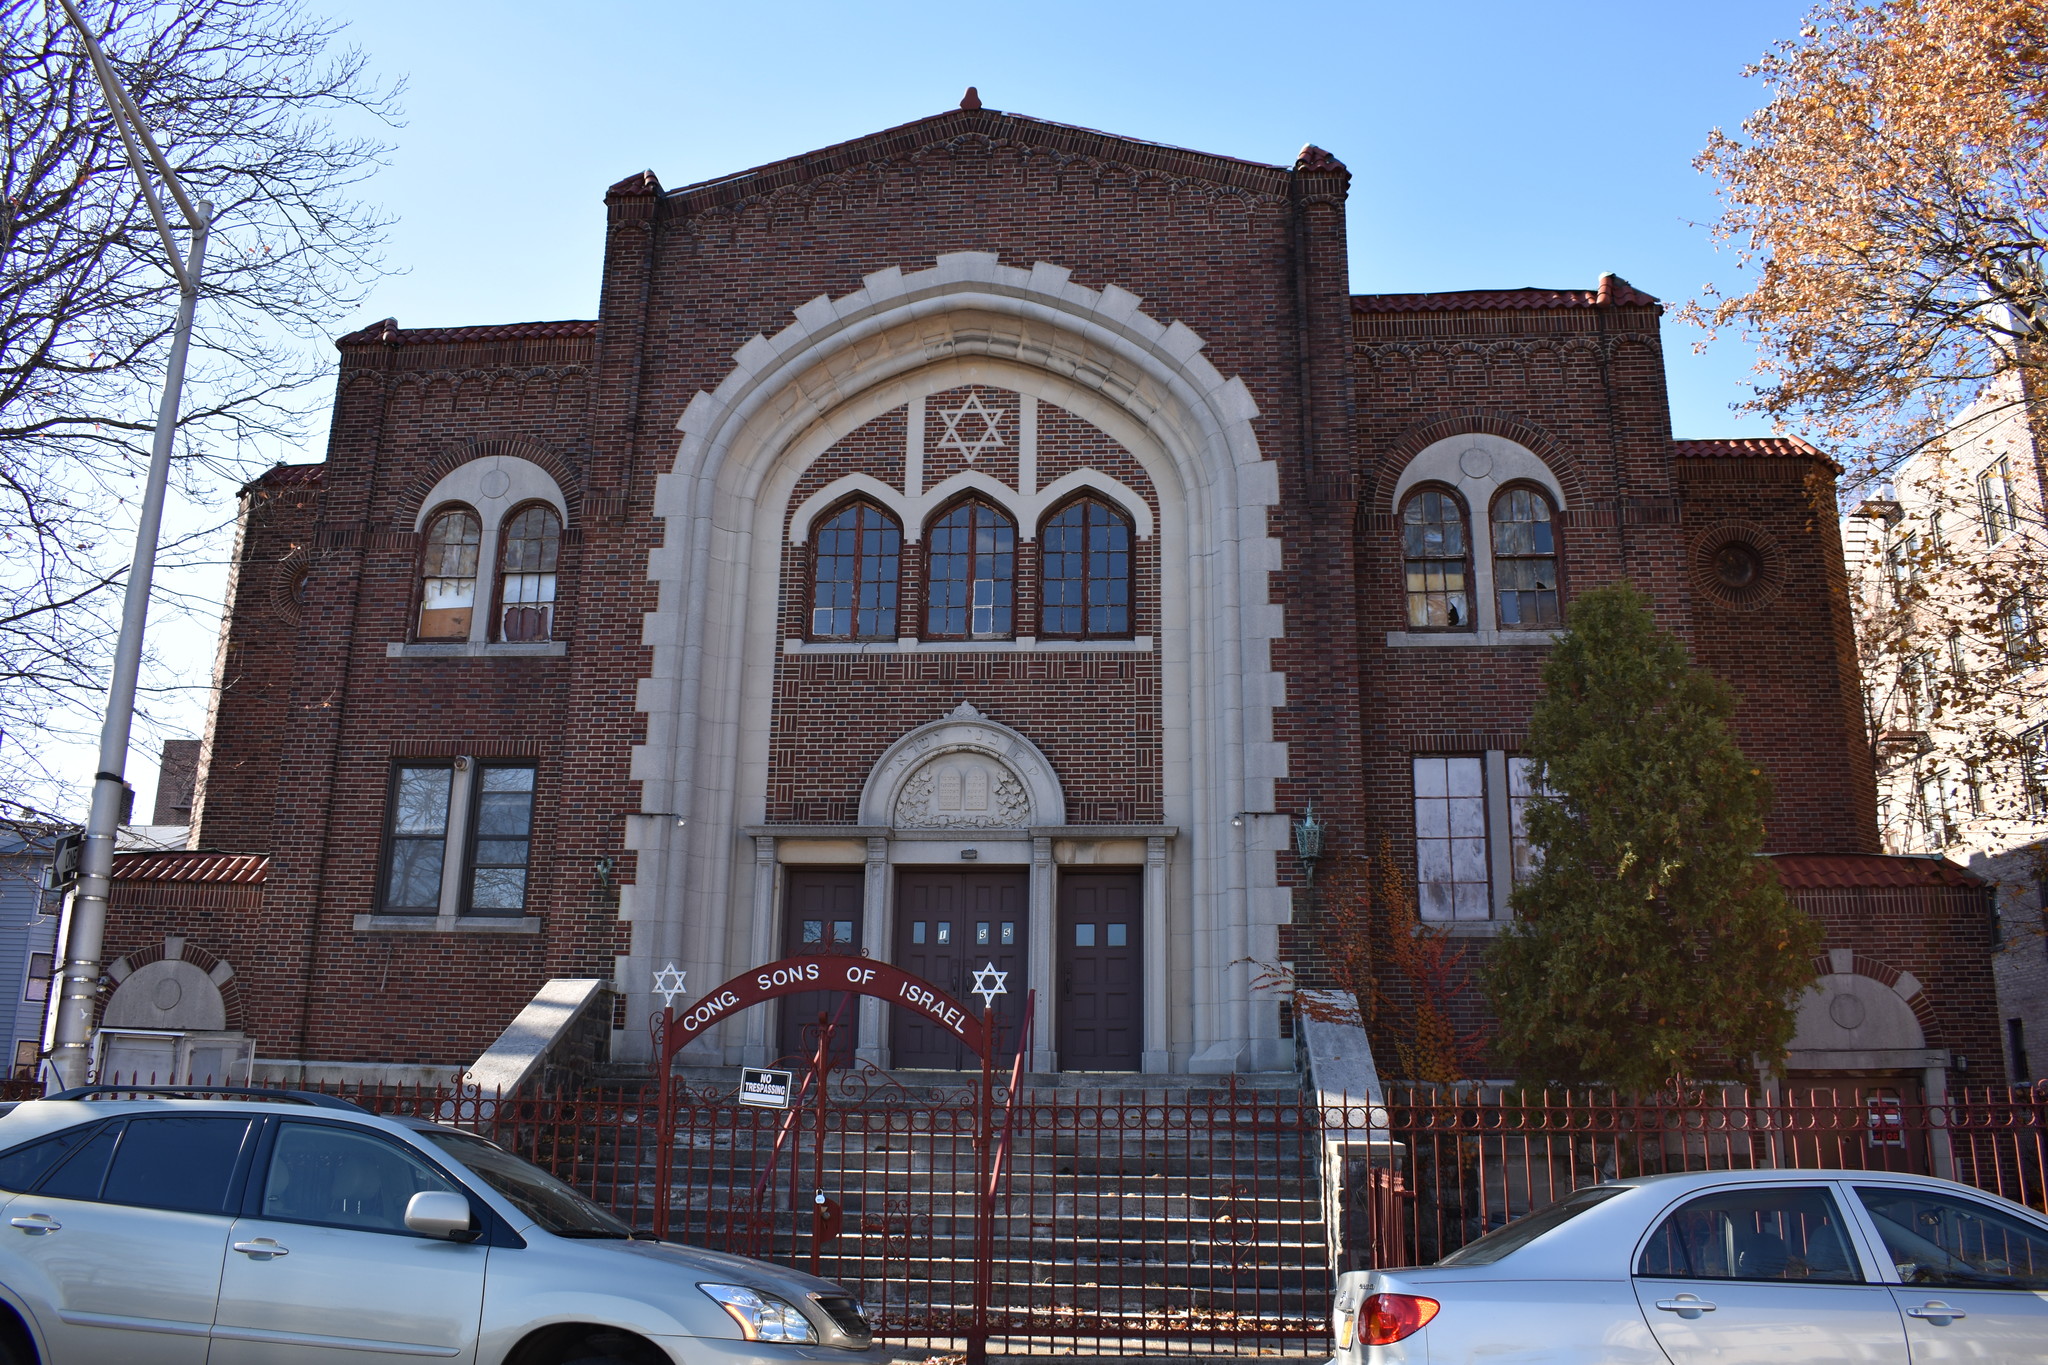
{"type": "Point", "coordinates": [1526, 1229]}
{"type": "Point", "coordinates": [21, 1168]}
{"type": "Point", "coordinates": [176, 1163]}
{"type": "Point", "coordinates": [80, 1175]}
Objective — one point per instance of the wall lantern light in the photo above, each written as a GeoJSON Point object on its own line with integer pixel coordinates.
{"type": "Point", "coordinates": [1308, 842]}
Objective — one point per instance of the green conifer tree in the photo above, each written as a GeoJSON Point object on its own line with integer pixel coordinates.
{"type": "Point", "coordinates": [1652, 943]}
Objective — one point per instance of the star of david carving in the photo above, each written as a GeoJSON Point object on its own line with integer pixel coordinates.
{"type": "Point", "coordinates": [988, 984]}
{"type": "Point", "coordinates": [971, 428]}
{"type": "Point", "coordinates": [668, 984]}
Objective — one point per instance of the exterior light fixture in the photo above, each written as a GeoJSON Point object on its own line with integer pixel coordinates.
{"type": "Point", "coordinates": [1308, 842]}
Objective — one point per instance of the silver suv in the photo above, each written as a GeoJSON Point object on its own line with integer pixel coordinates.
{"type": "Point", "coordinates": [285, 1228]}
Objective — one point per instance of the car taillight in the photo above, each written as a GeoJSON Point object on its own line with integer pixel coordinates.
{"type": "Point", "coordinates": [1388, 1318]}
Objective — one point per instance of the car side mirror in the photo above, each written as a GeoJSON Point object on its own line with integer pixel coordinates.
{"type": "Point", "coordinates": [440, 1213]}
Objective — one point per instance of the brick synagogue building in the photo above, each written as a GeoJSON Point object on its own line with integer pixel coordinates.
{"type": "Point", "coordinates": [975, 543]}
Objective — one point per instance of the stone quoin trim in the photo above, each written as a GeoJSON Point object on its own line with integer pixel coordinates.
{"type": "Point", "coordinates": [968, 319]}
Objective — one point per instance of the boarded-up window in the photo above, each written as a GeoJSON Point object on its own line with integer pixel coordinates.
{"type": "Point", "coordinates": [448, 576]}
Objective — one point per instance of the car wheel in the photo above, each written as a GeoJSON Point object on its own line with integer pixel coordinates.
{"type": "Point", "coordinates": [607, 1348]}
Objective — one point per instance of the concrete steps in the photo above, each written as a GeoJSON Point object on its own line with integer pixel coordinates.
{"type": "Point", "coordinates": [1173, 1208]}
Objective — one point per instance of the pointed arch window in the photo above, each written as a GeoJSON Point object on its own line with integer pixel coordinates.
{"type": "Point", "coordinates": [1524, 558]}
{"type": "Point", "coordinates": [1085, 571]}
{"type": "Point", "coordinates": [856, 557]}
{"type": "Point", "coordinates": [970, 573]}
{"type": "Point", "coordinates": [1436, 561]}
{"type": "Point", "coordinates": [448, 575]}
{"type": "Point", "coordinates": [532, 548]}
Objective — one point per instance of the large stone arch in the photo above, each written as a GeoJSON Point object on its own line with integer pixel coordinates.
{"type": "Point", "coordinates": [723, 505]}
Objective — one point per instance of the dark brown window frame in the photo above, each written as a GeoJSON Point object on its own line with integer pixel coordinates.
{"type": "Point", "coordinates": [388, 838]}
{"type": "Point", "coordinates": [974, 499]}
{"type": "Point", "coordinates": [1457, 500]}
{"type": "Point", "coordinates": [419, 569]}
{"type": "Point", "coordinates": [1556, 555]}
{"type": "Point", "coordinates": [1130, 570]}
{"type": "Point", "coordinates": [808, 599]}
{"type": "Point", "coordinates": [495, 628]}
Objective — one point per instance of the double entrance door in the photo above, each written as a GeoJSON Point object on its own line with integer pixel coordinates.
{"type": "Point", "coordinates": [954, 923]}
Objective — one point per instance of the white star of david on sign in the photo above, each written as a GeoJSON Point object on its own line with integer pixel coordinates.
{"type": "Point", "coordinates": [988, 984]}
{"type": "Point", "coordinates": [668, 984]}
{"type": "Point", "coordinates": [971, 428]}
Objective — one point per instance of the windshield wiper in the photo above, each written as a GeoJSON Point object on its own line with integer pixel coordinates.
{"type": "Point", "coordinates": [593, 1234]}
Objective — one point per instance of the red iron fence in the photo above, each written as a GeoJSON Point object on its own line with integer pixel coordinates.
{"type": "Point", "coordinates": [1431, 1169]}
{"type": "Point", "coordinates": [1175, 1222]}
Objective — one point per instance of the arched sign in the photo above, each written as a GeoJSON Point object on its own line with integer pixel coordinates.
{"type": "Point", "coordinates": [857, 975]}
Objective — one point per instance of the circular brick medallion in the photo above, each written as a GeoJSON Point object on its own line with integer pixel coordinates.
{"type": "Point", "coordinates": [1738, 565]}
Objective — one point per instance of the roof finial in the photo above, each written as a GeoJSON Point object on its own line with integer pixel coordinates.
{"type": "Point", "coordinates": [971, 100]}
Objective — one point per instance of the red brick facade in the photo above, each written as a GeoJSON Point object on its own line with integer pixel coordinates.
{"type": "Point", "coordinates": [1169, 332]}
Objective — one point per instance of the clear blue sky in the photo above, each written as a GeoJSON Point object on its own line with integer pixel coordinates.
{"type": "Point", "coordinates": [1492, 144]}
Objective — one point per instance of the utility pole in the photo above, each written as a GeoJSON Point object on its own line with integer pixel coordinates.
{"type": "Point", "coordinates": [78, 979]}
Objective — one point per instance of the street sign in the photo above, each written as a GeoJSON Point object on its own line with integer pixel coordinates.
{"type": "Point", "coordinates": [765, 1088]}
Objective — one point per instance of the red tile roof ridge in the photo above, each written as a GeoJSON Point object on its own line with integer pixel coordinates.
{"type": "Point", "coordinates": [1739, 447]}
{"type": "Point", "coordinates": [390, 333]}
{"type": "Point", "coordinates": [1805, 870]}
{"type": "Point", "coordinates": [191, 865]}
{"type": "Point", "coordinates": [1618, 293]}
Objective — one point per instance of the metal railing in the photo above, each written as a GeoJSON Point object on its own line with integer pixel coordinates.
{"type": "Point", "coordinates": [1175, 1222]}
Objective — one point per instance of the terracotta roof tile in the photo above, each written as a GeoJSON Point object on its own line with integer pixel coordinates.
{"type": "Point", "coordinates": [1801, 870]}
{"type": "Point", "coordinates": [1746, 448]}
{"type": "Point", "coordinates": [390, 333]}
{"type": "Point", "coordinates": [191, 865]}
{"type": "Point", "coordinates": [1614, 291]}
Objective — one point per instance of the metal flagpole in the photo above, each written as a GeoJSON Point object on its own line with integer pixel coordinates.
{"type": "Point", "coordinates": [71, 1052]}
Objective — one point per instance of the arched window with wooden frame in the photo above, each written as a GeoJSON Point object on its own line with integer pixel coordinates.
{"type": "Point", "coordinates": [1524, 558]}
{"type": "Point", "coordinates": [856, 563]}
{"type": "Point", "coordinates": [530, 548]}
{"type": "Point", "coordinates": [970, 573]}
{"type": "Point", "coordinates": [448, 574]}
{"type": "Point", "coordinates": [1084, 574]}
{"type": "Point", "coordinates": [1436, 560]}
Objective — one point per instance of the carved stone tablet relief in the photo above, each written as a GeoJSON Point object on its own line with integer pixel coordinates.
{"type": "Point", "coordinates": [962, 790]}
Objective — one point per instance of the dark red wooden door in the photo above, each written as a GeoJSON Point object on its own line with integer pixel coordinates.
{"type": "Point", "coordinates": [824, 917]}
{"type": "Point", "coordinates": [948, 926]}
{"type": "Point", "coordinates": [1101, 971]}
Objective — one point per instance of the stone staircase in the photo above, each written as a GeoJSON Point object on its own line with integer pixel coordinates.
{"type": "Point", "coordinates": [1182, 1208]}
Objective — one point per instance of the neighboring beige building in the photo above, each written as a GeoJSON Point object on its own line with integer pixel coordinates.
{"type": "Point", "coordinates": [1946, 577]}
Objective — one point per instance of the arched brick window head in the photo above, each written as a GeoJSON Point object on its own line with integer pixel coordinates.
{"type": "Point", "coordinates": [1085, 572]}
{"type": "Point", "coordinates": [856, 562]}
{"type": "Point", "coordinates": [533, 546]}
{"type": "Point", "coordinates": [448, 575]}
{"type": "Point", "coordinates": [1524, 559]}
{"type": "Point", "coordinates": [1433, 549]}
{"type": "Point", "coordinates": [971, 570]}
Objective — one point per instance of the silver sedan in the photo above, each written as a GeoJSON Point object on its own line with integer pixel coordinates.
{"type": "Point", "coordinates": [1724, 1268]}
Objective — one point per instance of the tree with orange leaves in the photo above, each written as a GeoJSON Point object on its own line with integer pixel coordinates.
{"type": "Point", "coordinates": [1892, 202]}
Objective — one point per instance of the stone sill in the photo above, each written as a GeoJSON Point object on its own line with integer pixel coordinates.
{"type": "Point", "coordinates": [477, 649]}
{"type": "Point", "coordinates": [1410, 639]}
{"type": "Point", "coordinates": [447, 924]}
{"type": "Point", "coordinates": [1022, 644]}
{"type": "Point", "coordinates": [1467, 928]}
